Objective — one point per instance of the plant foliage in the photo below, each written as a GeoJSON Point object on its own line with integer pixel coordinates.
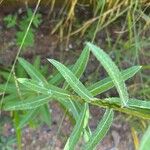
{"type": "Point", "coordinates": [34, 91]}
{"type": "Point", "coordinates": [22, 24]}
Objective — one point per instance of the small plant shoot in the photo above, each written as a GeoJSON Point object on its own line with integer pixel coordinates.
{"type": "Point", "coordinates": [22, 25]}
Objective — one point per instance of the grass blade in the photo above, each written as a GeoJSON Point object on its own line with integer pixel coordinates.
{"type": "Point", "coordinates": [77, 131]}
{"type": "Point", "coordinates": [112, 70]}
{"type": "Point", "coordinates": [72, 80]}
{"type": "Point", "coordinates": [100, 131]}
{"type": "Point", "coordinates": [107, 83]}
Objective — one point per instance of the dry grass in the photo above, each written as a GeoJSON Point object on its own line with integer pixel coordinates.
{"type": "Point", "coordinates": [104, 13]}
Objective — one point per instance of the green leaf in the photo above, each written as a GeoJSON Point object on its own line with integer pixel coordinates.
{"type": "Point", "coordinates": [55, 79]}
{"type": "Point", "coordinates": [36, 20]}
{"type": "Point", "coordinates": [50, 90]}
{"type": "Point", "coordinates": [20, 71]}
{"type": "Point", "coordinates": [45, 114]}
{"type": "Point", "coordinates": [71, 106]}
{"type": "Point", "coordinates": [29, 103]}
{"type": "Point", "coordinates": [77, 131]}
{"type": "Point", "coordinates": [145, 142]}
{"type": "Point", "coordinates": [10, 97]}
{"type": "Point", "coordinates": [23, 25]}
{"type": "Point", "coordinates": [37, 62]}
{"type": "Point", "coordinates": [72, 80]}
{"type": "Point", "coordinates": [11, 88]}
{"type": "Point", "coordinates": [27, 117]}
{"type": "Point", "coordinates": [29, 41]}
{"type": "Point", "coordinates": [112, 70]}
{"type": "Point", "coordinates": [100, 131]}
{"type": "Point", "coordinates": [5, 75]}
{"type": "Point", "coordinates": [135, 103]}
{"type": "Point", "coordinates": [107, 83]}
{"type": "Point", "coordinates": [32, 71]}
{"type": "Point", "coordinates": [34, 85]}
{"type": "Point", "coordinates": [80, 64]}
{"type": "Point", "coordinates": [132, 103]}
{"type": "Point", "coordinates": [10, 20]}
{"type": "Point", "coordinates": [78, 70]}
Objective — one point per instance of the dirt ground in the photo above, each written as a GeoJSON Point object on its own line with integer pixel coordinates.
{"type": "Point", "coordinates": [53, 138]}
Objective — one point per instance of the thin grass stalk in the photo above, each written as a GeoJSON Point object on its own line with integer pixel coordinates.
{"type": "Point", "coordinates": [18, 53]}
{"type": "Point", "coordinates": [99, 20]}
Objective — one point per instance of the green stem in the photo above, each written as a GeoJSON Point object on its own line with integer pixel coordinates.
{"type": "Point", "coordinates": [18, 131]}
{"type": "Point", "coordinates": [116, 105]}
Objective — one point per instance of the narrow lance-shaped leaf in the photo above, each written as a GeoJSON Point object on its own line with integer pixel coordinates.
{"type": "Point", "coordinates": [72, 80]}
{"type": "Point", "coordinates": [71, 107]}
{"type": "Point", "coordinates": [46, 114]}
{"type": "Point", "coordinates": [20, 71]}
{"type": "Point", "coordinates": [112, 70]}
{"type": "Point", "coordinates": [77, 70]}
{"type": "Point", "coordinates": [49, 90]}
{"type": "Point", "coordinates": [11, 88]}
{"type": "Point", "coordinates": [145, 142]}
{"type": "Point", "coordinates": [107, 83]}
{"type": "Point", "coordinates": [5, 75]}
{"type": "Point", "coordinates": [81, 63]}
{"type": "Point", "coordinates": [29, 103]}
{"type": "Point", "coordinates": [44, 89]}
{"type": "Point", "coordinates": [37, 62]}
{"type": "Point", "coordinates": [27, 117]}
{"type": "Point", "coordinates": [77, 131]}
{"type": "Point", "coordinates": [32, 71]}
{"type": "Point", "coordinates": [100, 131]}
{"type": "Point", "coordinates": [132, 103]}
{"type": "Point", "coordinates": [35, 74]}
{"type": "Point", "coordinates": [56, 78]}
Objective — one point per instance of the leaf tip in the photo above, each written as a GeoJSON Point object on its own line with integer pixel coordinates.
{"type": "Point", "coordinates": [50, 60]}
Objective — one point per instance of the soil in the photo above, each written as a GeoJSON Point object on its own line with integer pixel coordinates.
{"type": "Point", "coordinates": [49, 46]}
